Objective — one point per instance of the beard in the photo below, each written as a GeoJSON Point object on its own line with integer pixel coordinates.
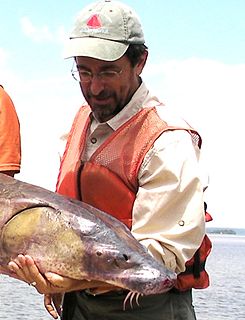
{"type": "Point", "coordinates": [104, 106]}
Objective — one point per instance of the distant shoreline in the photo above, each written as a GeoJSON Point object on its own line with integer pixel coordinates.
{"type": "Point", "coordinates": [226, 231]}
{"type": "Point", "coordinates": [223, 231]}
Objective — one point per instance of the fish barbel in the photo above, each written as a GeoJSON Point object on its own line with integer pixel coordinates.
{"type": "Point", "coordinates": [74, 239]}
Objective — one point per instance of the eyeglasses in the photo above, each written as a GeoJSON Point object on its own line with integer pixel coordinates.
{"type": "Point", "coordinates": [87, 76]}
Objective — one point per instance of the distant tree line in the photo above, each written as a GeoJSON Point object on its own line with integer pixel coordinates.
{"type": "Point", "coordinates": [221, 231]}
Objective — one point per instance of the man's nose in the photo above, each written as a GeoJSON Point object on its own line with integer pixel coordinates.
{"type": "Point", "coordinates": [96, 86]}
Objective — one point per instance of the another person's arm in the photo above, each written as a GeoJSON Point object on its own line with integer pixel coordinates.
{"type": "Point", "coordinates": [10, 146]}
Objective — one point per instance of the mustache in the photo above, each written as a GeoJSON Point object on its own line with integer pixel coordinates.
{"type": "Point", "coordinates": [101, 96]}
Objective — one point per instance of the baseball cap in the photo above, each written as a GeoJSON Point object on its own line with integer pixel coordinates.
{"type": "Point", "coordinates": [104, 30]}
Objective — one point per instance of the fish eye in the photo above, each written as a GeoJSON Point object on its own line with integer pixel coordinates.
{"type": "Point", "coordinates": [98, 253]}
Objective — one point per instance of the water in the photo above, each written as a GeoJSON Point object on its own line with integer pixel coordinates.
{"type": "Point", "coordinates": [224, 299]}
{"type": "Point", "coordinates": [18, 301]}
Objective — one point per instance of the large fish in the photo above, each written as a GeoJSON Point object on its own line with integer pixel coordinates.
{"type": "Point", "coordinates": [75, 240]}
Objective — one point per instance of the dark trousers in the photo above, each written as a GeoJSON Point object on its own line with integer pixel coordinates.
{"type": "Point", "coordinates": [172, 305]}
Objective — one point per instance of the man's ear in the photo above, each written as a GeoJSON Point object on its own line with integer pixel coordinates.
{"type": "Point", "coordinates": [141, 63]}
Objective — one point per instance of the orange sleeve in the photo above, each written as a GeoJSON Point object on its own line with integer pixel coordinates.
{"type": "Point", "coordinates": [10, 145]}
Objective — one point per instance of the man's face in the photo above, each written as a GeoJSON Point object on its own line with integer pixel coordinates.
{"type": "Point", "coordinates": [108, 86]}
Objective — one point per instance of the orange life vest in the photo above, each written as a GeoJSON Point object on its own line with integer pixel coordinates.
{"type": "Point", "coordinates": [108, 181]}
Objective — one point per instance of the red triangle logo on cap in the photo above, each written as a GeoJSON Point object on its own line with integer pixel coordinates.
{"type": "Point", "coordinates": [94, 21]}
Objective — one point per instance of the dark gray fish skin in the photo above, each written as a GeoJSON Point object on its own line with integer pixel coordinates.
{"type": "Point", "coordinates": [73, 239]}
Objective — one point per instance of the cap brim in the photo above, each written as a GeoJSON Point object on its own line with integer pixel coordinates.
{"type": "Point", "coordinates": [97, 48]}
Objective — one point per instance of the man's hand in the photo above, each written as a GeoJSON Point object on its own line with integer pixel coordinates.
{"type": "Point", "coordinates": [25, 269]}
{"type": "Point", "coordinates": [52, 285]}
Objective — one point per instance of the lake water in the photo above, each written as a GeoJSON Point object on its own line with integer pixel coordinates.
{"type": "Point", "coordinates": [224, 299]}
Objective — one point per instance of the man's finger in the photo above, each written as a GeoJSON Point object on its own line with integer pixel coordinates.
{"type": "Point", "coordinates": [49, 307]}
{"type": "Point", "coordinates": [59, 281]}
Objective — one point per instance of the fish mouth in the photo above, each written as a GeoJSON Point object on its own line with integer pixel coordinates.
{"type": "Point", "coordinates": [145, 281]}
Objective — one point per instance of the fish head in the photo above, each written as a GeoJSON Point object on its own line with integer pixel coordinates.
{"type": "Point", "coordinates": [115, 256]}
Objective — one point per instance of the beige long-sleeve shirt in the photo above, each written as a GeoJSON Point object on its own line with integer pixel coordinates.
{"type": "Point", "coordinates": [168, 213]}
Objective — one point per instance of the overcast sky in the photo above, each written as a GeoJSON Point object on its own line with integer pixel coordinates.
{"type": "Point", "coordinates": [196, 66]}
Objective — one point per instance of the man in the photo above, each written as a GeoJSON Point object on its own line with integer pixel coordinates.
{"type": "Point", "coordinates": [10, 148]}
{"type": "Point", "coordinates": [129, 156]}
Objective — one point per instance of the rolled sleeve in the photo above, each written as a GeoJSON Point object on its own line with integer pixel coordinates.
{"type": "Point", "coordinates": [168, 213]}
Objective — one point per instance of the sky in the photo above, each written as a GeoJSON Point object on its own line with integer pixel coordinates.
{"type": "Point", "coordinates": [196, 66]}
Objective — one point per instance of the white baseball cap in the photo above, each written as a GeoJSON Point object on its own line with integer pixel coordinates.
{"type": "Point", "coordinates": [104, 30]}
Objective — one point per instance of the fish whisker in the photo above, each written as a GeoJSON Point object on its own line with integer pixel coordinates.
{"type": "Point", "coordinates": [130, 297]}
